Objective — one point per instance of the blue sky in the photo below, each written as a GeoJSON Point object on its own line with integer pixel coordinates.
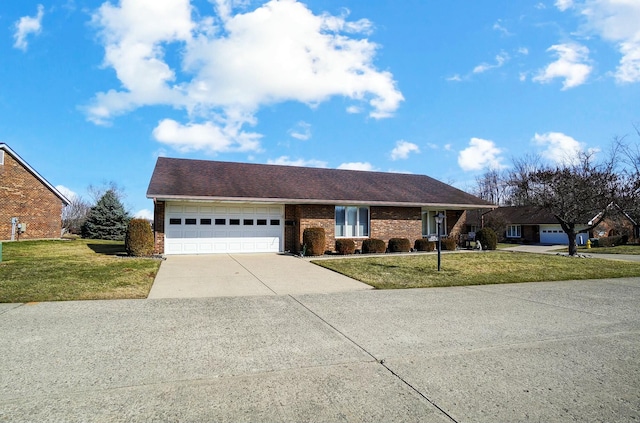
{"type": "Point", "coordinates": [93, 92]}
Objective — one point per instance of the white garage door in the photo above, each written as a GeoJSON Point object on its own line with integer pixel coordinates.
{"type": "Point", "coordinates": [208, 228]}
{"type": "Point", "coordinates": [553, 234]}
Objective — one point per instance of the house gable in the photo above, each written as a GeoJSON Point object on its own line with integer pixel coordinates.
{"type": "Point", "coordinates": [27, 196]}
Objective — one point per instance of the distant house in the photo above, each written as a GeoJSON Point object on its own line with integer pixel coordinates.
{"type": "Point", "coordinates": [528, 224]}
{"type": "Point", "coordinates": [30, 207]}
{"type": "Point", "coordinates": [204, 207]}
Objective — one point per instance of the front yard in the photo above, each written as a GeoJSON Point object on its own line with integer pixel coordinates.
{"type": "Point", "coordinates": [475, 268]}
{"type": "Point", "coordinates": [72, 270]}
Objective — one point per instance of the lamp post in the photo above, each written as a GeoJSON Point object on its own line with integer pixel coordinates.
{"type": "Point", "coordinates": [439, 219]}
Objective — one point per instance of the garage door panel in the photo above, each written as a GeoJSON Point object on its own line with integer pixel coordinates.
{"type": "Point", "coordinates": [217, 228]}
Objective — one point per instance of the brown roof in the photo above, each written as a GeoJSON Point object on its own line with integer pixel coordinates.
{"type": "Point", "coordinates": [525, 215]}
{"type": "Point", "coordinates": [214, 180]}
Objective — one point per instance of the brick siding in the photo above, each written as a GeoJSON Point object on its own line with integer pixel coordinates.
{"type": "Point", "coordinates": [24, 196]}
{"type": "Point", "coordinates": [386, 223]}
{"type": "Point", "coordinates": [158, 226]}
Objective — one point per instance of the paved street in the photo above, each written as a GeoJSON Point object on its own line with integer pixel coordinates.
{"type": "Point", "coordinates": [549, 352]}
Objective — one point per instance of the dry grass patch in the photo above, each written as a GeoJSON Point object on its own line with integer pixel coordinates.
{"type": "Point", "coordinates": [479, 268]}
{"type": "Point", "coordinates": [72, 270]}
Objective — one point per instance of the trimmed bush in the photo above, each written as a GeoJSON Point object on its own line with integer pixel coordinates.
{"type": "Point", "coordinates": [138, 240]}
{"type": "Point", "coordinates": [424, 245]}
{"type": "Point", "coordinates": [611, 241]}
{"type": "Point", "coordinates": [314, 240]}
{"type": "Point", "coordinates": [449, 243]}
{"type": "Point", "coordinates": [399, 245]}
{"type": "Point", "coordinates": [487, 238]}
{"type": "Point", "coordinates": [345, 246]}
{"type": "Point", "coordinates": [373, 245]}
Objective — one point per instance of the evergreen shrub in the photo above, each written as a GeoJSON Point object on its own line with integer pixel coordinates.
{"type": "Point", "coordinates": [373, 245]}
{"type": "Point", "coordinates": [345, 246]}
{"type": "Point", "coordinates": [107, 219]}
{"type": "Point", "coordinates": [488, 238]}
{"type": "Point", "coordinates": [138, 241]}
{"type": "Point", "coordinates": [424, 244]}
{"type": "Point", "coordinates": [399, 245]}
{"type": "Point", "coordinates": [314, 241]}
{"type": "Point", "coordinates": [449, 243]}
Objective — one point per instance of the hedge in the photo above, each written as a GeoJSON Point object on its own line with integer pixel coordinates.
{"type": "Point", "coordinates": [373, 245]}
{"type": "Point", "coordinates": [345, 246]}
{"type": "Point", "coordinates": [313, 241]}
{"type": "Point", "coordinates": [423, 244]}
{"type": "Point", "coordinates": [399, 245]}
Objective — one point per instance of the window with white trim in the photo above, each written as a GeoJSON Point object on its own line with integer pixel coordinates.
{"type": "Point", "coordinates": [514, 231]}
{"type": "Point", "coordinates": [1, 157]}
{"type": "Point", "coordinates": [352, 221]}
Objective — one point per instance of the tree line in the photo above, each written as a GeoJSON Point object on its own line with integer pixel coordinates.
{"type": "Point", "coordinates": [577, 190]}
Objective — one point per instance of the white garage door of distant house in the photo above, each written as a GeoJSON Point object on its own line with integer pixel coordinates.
{"type": "Point", "coordinates": [209, 228]}
{"type": "Point", "coordinates": [553, 234]}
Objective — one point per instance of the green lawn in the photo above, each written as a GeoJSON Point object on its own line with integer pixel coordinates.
{"type": "Point", "coordinates": [72, 270]}
{"type": "Point", "coordinates": [477, 268]}
{"type": "Point", "coordinates": [618, 249]}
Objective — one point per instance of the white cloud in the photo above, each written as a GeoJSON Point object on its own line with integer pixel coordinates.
{"type": "Point", "coordinates": [302, 131]}
{"type": "Point", "coordinates": [558, 147]}
{"type": "Point", "coordinates": [403, 149]}
{"type": "Point", "coordinates": [206, 137]}
{"type": "Point", "coordinates": [67, 192]}
{"type": "Point", "coordinates": [455, 78]}
{"type": "Point", "coordinates": [523, 51]}
{"type": "Point", "coordinates": [357, 166]}
{"type": "Point", "coordinates": [501, 59]}
{"type": "Point", "coordinates": [144, 214]}
{"type": "Point", "coordinates": [354, 110]}
{"type": "Point", "coordinates": [615, 21]}
{"type": "Point", "coordinates": [479, 155]}
{"type": "Point", "coordinates": [234, 63]}
{"type": "Point", "coordinates": [286, 161]}
{"type": "Point", "coordinates": [501, 28]}
{"type": "Point", "coordinates": [26, 26]}
{"type": "Point", "coordinates": [571, 66]}
{"type": "Point", "coordinates": [563, 5]}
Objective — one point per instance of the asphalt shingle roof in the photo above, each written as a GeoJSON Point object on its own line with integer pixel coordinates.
{"type": "Point", "coordinates": [215, 180]}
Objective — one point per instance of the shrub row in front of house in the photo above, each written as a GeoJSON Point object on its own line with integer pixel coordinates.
{"type": "Point", "coordinates": [313, 240]}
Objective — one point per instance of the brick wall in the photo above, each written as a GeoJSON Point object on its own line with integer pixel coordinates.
{"type": "Point", "coordinates": [386, 222]}
{"type": "Point", "coordinates": [158, 226]}
{"type": "Point", "coordinates": [396, 222]}
{"type": "Point", "coordinates": [22, 195]}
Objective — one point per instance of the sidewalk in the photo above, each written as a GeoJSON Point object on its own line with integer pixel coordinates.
{"type": "Point", "coordinates": [549, 351]}
{"type": "Point", "coordinates": [554, 249]}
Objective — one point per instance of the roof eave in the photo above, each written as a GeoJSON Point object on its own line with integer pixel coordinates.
{"type": "Point", "coordinates": [448, 206]}
{"type": "Point", "coordinates": [31, 170]}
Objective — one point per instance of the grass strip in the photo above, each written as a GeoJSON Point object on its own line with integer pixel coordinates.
{"type": "Point", "coordinates": [478, 268]}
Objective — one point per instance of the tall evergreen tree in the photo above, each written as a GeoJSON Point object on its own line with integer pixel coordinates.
{"type": "Point", "coordinates": [107, 219]}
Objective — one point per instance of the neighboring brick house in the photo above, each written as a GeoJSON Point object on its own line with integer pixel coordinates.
{"type": "Point", "coordinates": [206, 207]}
{"type": "Point", "coordinates": [30, 207]}
{"type": "Point", "coordinates": [527, 224]}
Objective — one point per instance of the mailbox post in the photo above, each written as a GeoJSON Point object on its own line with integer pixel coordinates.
{"type": "Point", "coordinates": [439, 219]}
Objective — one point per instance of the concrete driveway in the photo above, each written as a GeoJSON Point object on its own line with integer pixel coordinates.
{"type": "Point", "coordinates": [232, 275]}
{"type": "Point", "coordinates": [540, 352]}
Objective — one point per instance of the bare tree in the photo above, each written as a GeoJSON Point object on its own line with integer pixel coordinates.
{"type": "Point", "coordinates": [573, 192]}
{"type": "Point", "coordinates": [75, 214]}
{"type": "Point", "coordinates": [491, 186]}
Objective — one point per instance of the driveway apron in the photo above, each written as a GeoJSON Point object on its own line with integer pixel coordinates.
{"type": "Point", "coordinates": [233, 275]}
